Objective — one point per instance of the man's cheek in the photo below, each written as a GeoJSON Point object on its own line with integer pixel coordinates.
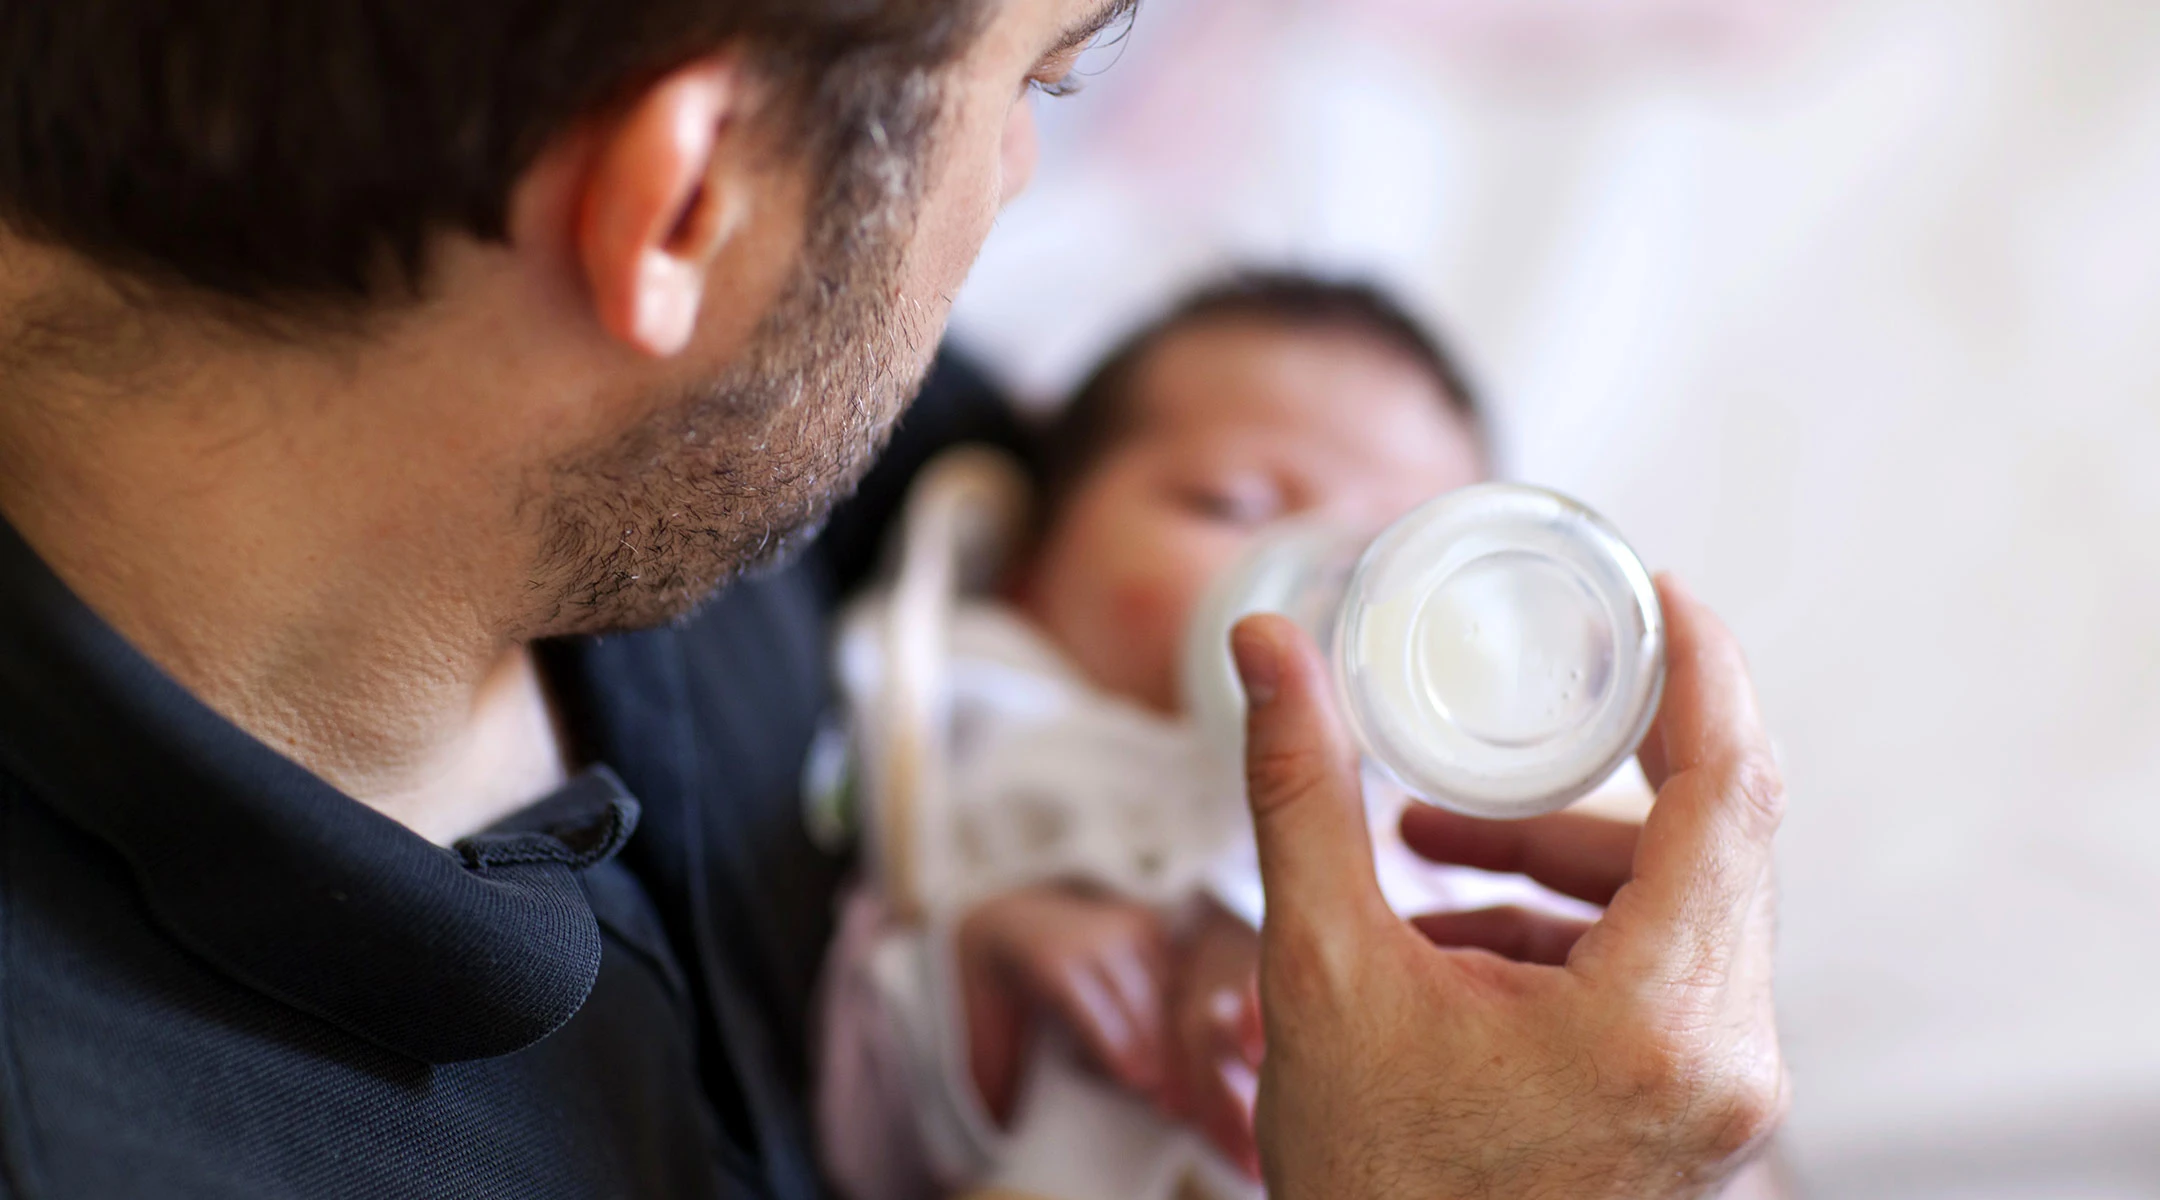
{"type": "Point", "coordinates": [959, 209]}
{"type": "Point", "coordinates": [1020, 153]}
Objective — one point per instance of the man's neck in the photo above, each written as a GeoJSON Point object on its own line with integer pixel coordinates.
{"type": "Point", "coordinates": [243, 524]}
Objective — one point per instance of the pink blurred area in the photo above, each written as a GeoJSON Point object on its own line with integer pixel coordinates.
{"type": "Point", "coordinates": [1190, 122]}
{"type": "Point", "coordinates": [1545, 31]}
{"type": "Point", "coordinates": [1850, 313]}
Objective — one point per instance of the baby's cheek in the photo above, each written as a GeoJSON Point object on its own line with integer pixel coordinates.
{"type": "Point", "coordinates": [1146, 620]}
{"type": "Point", "coordinates": [1144, 607]}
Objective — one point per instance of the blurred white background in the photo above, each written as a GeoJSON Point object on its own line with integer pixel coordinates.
{"type": "Point", "coordinates": [1849, 312]}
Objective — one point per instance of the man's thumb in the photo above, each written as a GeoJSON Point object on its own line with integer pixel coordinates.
{"type": "Point", "coordinates": [1301, 774]}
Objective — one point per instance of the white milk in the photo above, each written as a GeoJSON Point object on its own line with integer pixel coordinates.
{"type": "Point", "coordinates": [1499, 651]}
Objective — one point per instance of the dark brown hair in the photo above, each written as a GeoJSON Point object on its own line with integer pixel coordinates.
{"type": "Point", "coordinates": [1099, 413]}
{"type": "Point", "coordinates": [303, 153]}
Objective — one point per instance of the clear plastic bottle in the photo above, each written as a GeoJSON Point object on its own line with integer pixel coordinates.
{"type": "Point", "coordinates": [1499, 651]}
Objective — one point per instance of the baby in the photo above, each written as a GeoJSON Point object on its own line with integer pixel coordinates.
{"type": "Point", "coordinates": [1063, 1005]}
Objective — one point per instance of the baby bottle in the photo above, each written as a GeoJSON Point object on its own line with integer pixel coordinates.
{"type": "Point", "coordinates": [1499, 651]}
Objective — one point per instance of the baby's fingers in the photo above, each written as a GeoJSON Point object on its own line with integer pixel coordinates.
{"type": "Point", "coordinates": [1240, 1021]}
{"type": "Point", "coordinates": [1114, 1005]}
{"type": "Point", "coordinates": [1225, 1113]}
{"type": "Point", "coordinates": [1217, 1072]}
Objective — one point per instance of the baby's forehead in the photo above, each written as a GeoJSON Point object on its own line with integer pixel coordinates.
{"type": "Point", "coordinates": [1225, 373]}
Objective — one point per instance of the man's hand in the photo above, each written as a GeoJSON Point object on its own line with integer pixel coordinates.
{"type": "Point", "coordinates": [1636, 1057]}
{"type": "Point", "coordinates": [1092, 961]}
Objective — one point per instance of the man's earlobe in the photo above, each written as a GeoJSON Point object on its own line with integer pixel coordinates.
{"type": "Point", "coordinates": [657, 205]}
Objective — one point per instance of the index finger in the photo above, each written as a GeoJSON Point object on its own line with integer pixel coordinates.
{"type": "Point", "coordinates": [1703, 863]}
{"type": "Point", "coordinates": [1576, 854]}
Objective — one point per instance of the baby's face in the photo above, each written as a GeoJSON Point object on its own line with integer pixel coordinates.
{"type": "Point", "coordinates": [1232, 426]}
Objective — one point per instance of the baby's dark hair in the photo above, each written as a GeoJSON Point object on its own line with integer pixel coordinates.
{"type": "Point", "coordinates": [1099, 412]}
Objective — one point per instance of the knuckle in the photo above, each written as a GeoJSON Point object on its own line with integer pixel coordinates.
{"type": "Point", "coordinates": [1741, 1113]}
{"type": "Point", "coordinates": [1719, 1102]}
{"type": "Point", "coordinates": [1759, 787]}
{"type": "Point", "coordinates": [1658, 1068]}
{"type": "Point", "coordinates": [1755, 1107]}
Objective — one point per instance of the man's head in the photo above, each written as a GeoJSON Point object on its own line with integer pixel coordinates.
{"type": "Point", "coordinates": [1266, 397]}
{"type": "Point", "coordinates": [658, 274]}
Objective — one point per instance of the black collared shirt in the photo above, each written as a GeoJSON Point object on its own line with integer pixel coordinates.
{"type": "Point", "coordinates": [220, 977]}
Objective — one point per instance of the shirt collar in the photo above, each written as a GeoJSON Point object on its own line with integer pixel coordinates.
{"type": "Point", "coordinates": [282, 881]}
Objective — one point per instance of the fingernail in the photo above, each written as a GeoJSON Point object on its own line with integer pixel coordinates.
{"type": "Point", "coordinates": [1257, 665]}
{"type": "Point", "coordinates": [1242, 1082]}
{"type": "Point", "coordinates": [1226, 1008]}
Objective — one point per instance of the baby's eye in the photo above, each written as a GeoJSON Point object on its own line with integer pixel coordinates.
{"type": "Point", "coordinates": [1251, 505]}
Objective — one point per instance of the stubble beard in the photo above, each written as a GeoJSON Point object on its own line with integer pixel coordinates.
{"type": "Point", "coordinates": [740, 473]}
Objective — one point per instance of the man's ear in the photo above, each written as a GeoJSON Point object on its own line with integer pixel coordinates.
{"type": "Point", "coordinates": [662, 197]}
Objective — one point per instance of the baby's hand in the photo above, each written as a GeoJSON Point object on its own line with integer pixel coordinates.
{"type": "Point", "coordinates": [1216, 1030]}
{"type": "Point", "coordinates": [1095, 962]}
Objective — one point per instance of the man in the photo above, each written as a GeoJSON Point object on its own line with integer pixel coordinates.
{"type": "Point", "coordinates": [358, 360]}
